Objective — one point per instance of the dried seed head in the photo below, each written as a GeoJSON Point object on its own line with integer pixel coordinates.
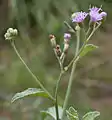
{"type": "Point", "coordinates": [58, 50]}
{"type": "Point", "coordinates": [53, 40]}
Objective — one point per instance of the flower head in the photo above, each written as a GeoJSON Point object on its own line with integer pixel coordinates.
{"type": "Point", "coordinates": [11, 34]}
{"type": "Point", "coordinates": [67, 37]}
{"type": "Point", "coordinates": [58, 50]}
{"type": "Point", "coordinates": [53, 40]}
{"type": "Point", "coordinates": [79, 17]}
{"type": "Point", "coordinates": [96, 14]}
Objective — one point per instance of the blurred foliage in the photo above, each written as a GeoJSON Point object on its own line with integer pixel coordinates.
{"type": "Point", "coordinates": [35, 20]}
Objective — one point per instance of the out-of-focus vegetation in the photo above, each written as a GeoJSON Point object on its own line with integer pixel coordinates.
{"type": "Point", "coordinates": [35, 20]}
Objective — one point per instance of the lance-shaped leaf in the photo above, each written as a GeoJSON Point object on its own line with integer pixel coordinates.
{"type": "Point", "coordinates": [29, 92]}
{"type": "Point", "coordinates": [87, 48]}
{"type": "Point", "coordinates": [91, 115]}
{"type": "Point", "coordinates": [72, 114]}
{"type": "Point", "coordinates": [52, 112]}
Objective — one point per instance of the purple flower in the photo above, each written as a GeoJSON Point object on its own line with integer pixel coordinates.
{"type": "Point", "coordinates": [67, 36]}
{"type": "Point", "coordinates": [95, 9]}
{"type": "Point", "coordinates": [79, 17]}
{"type": "Point", "coordinates": [103, 14]}
{"type": "Point", "coordinates": [96, 14]}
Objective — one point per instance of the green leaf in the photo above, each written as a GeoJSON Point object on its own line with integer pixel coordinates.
{"type": "Point", "coordinates": [29, 92]}
{"type": "Point", "coordinates": [52, 112]}
{"type": "Point", "coordinates": [91, 115]}
{"type": "Point", "coordinates": [87, 48]}
{"type": "Point", "coordinates": [72, 114]}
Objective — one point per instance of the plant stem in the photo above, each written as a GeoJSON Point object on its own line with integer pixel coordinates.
{"type": "Point", "coordinates": [57, 84]}
{"type": "Point", "coordinates": [56, 93]}
{"type": "Point", "coordinates": [29, 70]}
{"type": "Point", "coordinates": [59, 61]}
{"type": "Point", "coordinates": [88, 31]}
{"type": "Point", "coordinates": [70, 28]}
{"type": "Point", "coordinates": [71, 76]}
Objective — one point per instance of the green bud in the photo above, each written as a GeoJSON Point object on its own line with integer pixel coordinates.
{"type": "Point", "coordinates": [11, 34]}
{"type": "Point", "coordinates": [77, 28]}
{"type": "Point", "coordinates": [10, 30]}
{"type": "Point", "coordinates": [15, 32]}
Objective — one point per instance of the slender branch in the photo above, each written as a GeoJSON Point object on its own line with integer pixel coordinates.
{"type": "Point", "coordinates": [88, 31]}
{"type": "Point", "coordinates": [71, 76]}
{"type": "Point", "coordinates": [59, 61]}
{"type": "Point", "coordinates": [29, 70]}
{"type": "Point", "coordinates": [56, 93]}
{"type": "Point", "coordinates": [70, 28]}
{"type": "Point", "coordinates": [57, 84]}
{"type": "Point", "coordinates": [57, 112]}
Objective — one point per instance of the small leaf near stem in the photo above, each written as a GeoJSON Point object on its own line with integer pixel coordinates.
{"type": "Point", "coordinates": [29, 70]}
{"type": "Point", "coordinates": [29, 92]}
{"type": "Point", "coordinates": [91, 115]}
{"type": "Point", "coordinates": [87, 48]}
{"type": "Point", "coordinates": [52, 112]}
{"type": "Point", "coordinates": [72, 114]}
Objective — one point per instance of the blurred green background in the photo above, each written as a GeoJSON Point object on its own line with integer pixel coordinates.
{"type": "Point", "coordinates": [35, 20]}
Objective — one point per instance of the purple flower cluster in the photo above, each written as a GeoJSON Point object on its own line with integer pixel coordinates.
{"type": "Point", "coordinates": [78, 17]}
{"type": "Point", "coordinates": [95, 14]}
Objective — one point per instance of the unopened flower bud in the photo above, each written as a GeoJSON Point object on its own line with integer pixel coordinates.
{"type": "Point", "coordinates": [11, 34]}
{"type": "Point", "coordinates": [58, 50]}
{"type": "Point", "coordinates": [10, 30]}
{"type": "Point", "coordinates": [7, 36]}
{"type": "Point", "coordinates": [15, 32]}
{"type": "Point", "coordinates": [77, 28]}
{"type": "Point", "coordinates": [53, 40]}
{"type": "Point", "coordinates": [66, 47]}
{"type": "Point", "coordinates": [67, 37]}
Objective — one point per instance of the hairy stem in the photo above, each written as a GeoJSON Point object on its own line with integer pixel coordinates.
{"type": "Point", "coordinates": [71, 76]}
{"type": "Point", "coordinates": [29, 70]}
{"type": "Point", "coordinates": [56, 93]}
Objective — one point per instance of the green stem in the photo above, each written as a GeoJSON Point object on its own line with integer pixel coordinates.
{"type": "Point", "coordinates": [56, 93]}
{"type": "Point", "coordinates": [57, 84]}
{"type": "Point", "coordinates": [32, 74]}
{"type": "Point", "coordinates": [59, 61]}
{"type": "Point", "coordinates": [88, 31]}
{"type": "Point", "coordinates": [57, 112]}
{"type": "Point", "coordinates": [71, 76]}
{"type": "Point", "coordinates": [70, 28]}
